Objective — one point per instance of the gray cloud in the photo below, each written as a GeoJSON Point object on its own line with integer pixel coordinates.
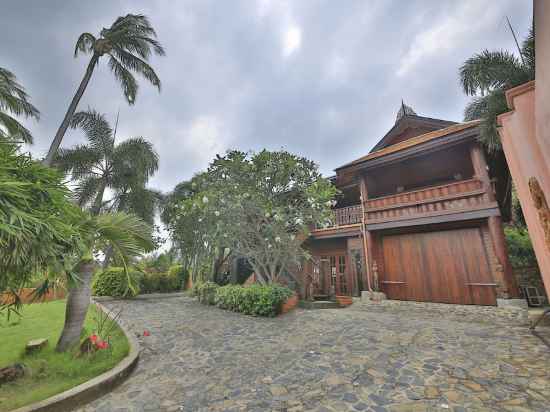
{"type": "Point", "coordinates": [319, 78]}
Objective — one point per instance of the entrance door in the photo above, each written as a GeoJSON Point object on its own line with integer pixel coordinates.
{"type": "Point", "coordinates": [447, 266]}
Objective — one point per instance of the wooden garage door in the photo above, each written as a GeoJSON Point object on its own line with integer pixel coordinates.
{"type": "Point", "coordinates": [448, 266]}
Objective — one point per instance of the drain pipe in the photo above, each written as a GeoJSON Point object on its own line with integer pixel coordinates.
{"type": "Point", "coordinates": [364, 233]}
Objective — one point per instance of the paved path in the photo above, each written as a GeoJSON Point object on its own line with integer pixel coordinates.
{"type": "Point", "coordinates": [201, 358]}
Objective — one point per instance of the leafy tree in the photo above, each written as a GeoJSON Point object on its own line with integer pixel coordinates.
{"type": "Point", "coordinates": [36, 215]}
{"type": "Point", "coordinates": [259, 206]}
{"type": "Point", "coordinates": [14, 100]}
{"type": "Point", "coordinates": [101, 164]}
{"type": "Point", "coordinates": [128, 236]}
{"type": "Point", "coordinates": [128, 45]}
{"type": "Point", "coordinates": [486, 76]}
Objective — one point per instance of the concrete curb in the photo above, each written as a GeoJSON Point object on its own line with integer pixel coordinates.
{"type": "Point", "coordinates": [94, 388]}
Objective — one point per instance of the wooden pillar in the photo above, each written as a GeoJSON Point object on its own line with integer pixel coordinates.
{"type": "Point", "coordinates": [504, 272]}
{"type": "Point", "coordinates": [480, 169]}
{"type": "Point", "coordinates": [367, 238]}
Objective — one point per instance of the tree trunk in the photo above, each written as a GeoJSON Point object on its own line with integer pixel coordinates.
{"type": "Point", "coordinates": [96, 207]}
{"type": "Point", "coordinates": [70, 112]}
{"type": "Point", "coordinates": [108, 256]}
{"type": "Point", "coordinates": [77, 307]}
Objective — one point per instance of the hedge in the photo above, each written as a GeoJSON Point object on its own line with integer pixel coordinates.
{"type": "Point", "coordinates": [160, 282]}
{"type": "Point", "coordinates": [256, 300]}
{"type": "Point", "coordinates": [116, 282]}
{"type": "Point", "coordinates": [206, 292]}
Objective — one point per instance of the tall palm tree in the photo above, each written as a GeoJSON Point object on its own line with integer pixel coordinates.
{"type": "Point", "coordinates": [128, 235]}
{"type": "Point", "coordinates": [486, 76]}
{"type": "Point", "coordinates": [101, 164]}
{"type": "Point", "coordinates": [128, 45]}
{"type": "Point", "coordinates": [15, 100]}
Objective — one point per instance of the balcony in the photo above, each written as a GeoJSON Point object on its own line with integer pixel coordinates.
{"type": "Point", "coordinates": [443, 199]}
{"type": "Point", "coordinates": [347, 215]}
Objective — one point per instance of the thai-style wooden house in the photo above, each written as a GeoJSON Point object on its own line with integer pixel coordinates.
{"type": "Point", "coordinates": [416, 219]}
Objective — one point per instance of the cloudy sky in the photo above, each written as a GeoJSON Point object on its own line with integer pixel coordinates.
{"type": "Point", "coordinates": [320, 78]}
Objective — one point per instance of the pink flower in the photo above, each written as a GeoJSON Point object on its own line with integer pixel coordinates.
{"type": "Point", "coordinates": [146, 333]}
{"type": "Point", "coordinates": [93, 338]}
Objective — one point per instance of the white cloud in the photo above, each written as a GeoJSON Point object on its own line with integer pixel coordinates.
{"type": "Point", "coordinates": [461, 24]}
{"type": "Point", "coordinates": [292, 40]}
{"type": "Point", "coordinates": [203, 139]}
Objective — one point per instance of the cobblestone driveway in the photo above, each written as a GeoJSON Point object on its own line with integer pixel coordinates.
{"type": "Point", "coordinates": [201, 358]}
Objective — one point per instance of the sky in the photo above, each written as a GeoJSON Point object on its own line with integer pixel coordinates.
{"type": "Point", "coordinates": [320, 78]}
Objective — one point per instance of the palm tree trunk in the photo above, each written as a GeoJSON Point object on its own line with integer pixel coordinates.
{"type": "Point", "coordinates": [72, 108]}
{"type": "Point", "coordinates": [96, 207]}
{"type": "Point", "coordinates": [108, 256]}
{"type": "Point", "coordinates": [77, 307]}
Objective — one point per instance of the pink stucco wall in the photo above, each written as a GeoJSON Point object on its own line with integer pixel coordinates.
{"type": "Point", "coordinates": [525, 136]}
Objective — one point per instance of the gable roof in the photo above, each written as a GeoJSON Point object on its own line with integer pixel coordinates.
{"type": "Point", "coordinates": [408, 120]}
{"type": "Point", "coordinates": [426, 137]}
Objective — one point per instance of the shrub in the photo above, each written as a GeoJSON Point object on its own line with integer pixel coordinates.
{"type": "Point", "coordinates": [257, 300]}
{"type": "Point", "coordinates": [116, 282]}
{"type": "Point", "coordinates": [159, 282]}
{"type": "Point", "coordinates": [180, 273]}
{"type": "Point", "coordinates": [206, 292]}
{"type": "Point", "coordinates": [520, 249]}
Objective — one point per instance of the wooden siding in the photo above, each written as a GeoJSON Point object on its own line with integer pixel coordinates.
{"type": "Point", "coordinates": [449, 266]}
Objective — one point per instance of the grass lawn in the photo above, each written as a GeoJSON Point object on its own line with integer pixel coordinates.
{"type": "Point", "coordinates": [51, 372]}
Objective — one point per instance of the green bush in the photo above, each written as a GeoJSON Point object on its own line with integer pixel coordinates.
{"type": "Point", "coordinates": [520, 249]}
{"type": "Point", "coordinates": [206, 292]}
{"type": "Point", "coordinates": [160, 282]}
{"type": "Point", "coordinates": [116, 282]}
{"type": "Point", "coordinates": [180, 273]}
{"type": "Point", "coordinates": [254, 300]}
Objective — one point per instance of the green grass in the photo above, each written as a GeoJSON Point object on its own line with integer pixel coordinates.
{"type": "Point", "coordinates": [51, 372]}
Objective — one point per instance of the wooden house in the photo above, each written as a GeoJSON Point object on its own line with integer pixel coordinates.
{"type": "Point", "coordinates": [416, 219]}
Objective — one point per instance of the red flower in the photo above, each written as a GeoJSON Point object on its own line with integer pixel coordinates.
{"type": "Point", "coordinates": [146, 333]}
{"type": "Point", "coordinates": [102, 345]}
{"type": "Point", "coordinates": [93, 338]}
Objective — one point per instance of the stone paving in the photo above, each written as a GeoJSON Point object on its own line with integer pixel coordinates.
{"type": "Point", "coordinates": [201, 358]}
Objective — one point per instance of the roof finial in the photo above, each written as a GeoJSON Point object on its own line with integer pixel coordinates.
{"type": "Point", "coordinates": [404, 110]}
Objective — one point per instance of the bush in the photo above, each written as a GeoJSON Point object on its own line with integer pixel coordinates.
{"type": "Point", "coordinates": [206, 292]}
{"type": "Point", "coordinates": [116, 282]}
{"type": "Point", "coordinates": [256, 300]}
{"type": "Point", "coordinates": [180, 273]}
{"type": "Point", "coordinates": [159, 282]}
{"type": "Point", "coordinates": [520, 249]}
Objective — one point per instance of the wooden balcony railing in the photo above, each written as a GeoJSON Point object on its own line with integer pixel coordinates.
{"type": "Point", "coordinates": [347, 215]}
{"type": "Point", "coordinates": [454, 196]}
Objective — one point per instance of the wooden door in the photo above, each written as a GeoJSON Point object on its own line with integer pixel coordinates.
{"type": "Point", "coordinates": [448, 266]}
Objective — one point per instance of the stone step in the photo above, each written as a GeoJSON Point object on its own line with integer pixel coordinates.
{"type": "Point", "coordinates": [321, 297]}
{"type": "Point", "coordinates": [319, 304]}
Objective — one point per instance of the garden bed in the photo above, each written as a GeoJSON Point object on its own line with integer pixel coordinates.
{"type": "Point", "coordinates": [49, 372]}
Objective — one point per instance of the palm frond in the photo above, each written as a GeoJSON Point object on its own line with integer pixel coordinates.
{"type": "Point", "coordinates": [87, 189]}
{"type": "Point", "coordinates": [84, 44]}
{"type": "Point", "coordinates": [528, 52]}
{"type": "Point", "coordinates": [80, 160]}
{"type": "Point", "coordinates": [493, 105]}
{"type": "Point", "coordinates": [138, 155]}
{"type": "Point", "coordinates": [14, 130]}
{"type": "Point", "coordinates": [125, 78]}
{"type": "Point", "coordinates": [134, 63]}
{"type": "Point", "coordinates": [97, 130]}
{"type": "Point", "coordinates": [490, 70]}
{"type": "Point", "coordinates": [128, 234]}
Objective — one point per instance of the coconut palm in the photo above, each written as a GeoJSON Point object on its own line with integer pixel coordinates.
{"type": "Point", "coordinates": [101, 164]}
{"type": "Point", "coordinates": [486, 76]}
{"type": "Point", "coordinates": [14, 100]}
{"type": "Point", "coordinates": [128, 45]}
{"type": "Point", "coordinates": [128, 236]}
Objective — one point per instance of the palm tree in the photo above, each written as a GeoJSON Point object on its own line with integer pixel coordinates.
{"type": "Point", "coordinates": [486, 76]}
{"type": "Point", "coordinates": [128, 235]}
{"type": "Point", "coordinates": [15, 100]}
{"type": "Point", "coordinates": [101, 165]}
{"type": "Point", "coordinates": [128, 44]}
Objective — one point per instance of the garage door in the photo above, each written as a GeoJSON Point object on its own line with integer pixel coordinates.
{"type": "Point", "coordinates": [445, 266]}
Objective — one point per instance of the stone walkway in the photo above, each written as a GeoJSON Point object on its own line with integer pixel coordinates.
{"type": "Point", "coordinates": [201, 358]}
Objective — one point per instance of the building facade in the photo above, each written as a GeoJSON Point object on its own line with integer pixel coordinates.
{"type": "Point", "coordinates": [417, 219]}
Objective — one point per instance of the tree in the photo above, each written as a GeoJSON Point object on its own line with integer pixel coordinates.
{"type": "Point", "coordinates": [128, 45]}
{"type": "Point", "coordinates": [101, 164]}
{"type": "Point", "coordinates": [128, 236]}
{"type": "Point", "coordinates": [14, 99]}
{"type": "Point", "coordinates": [487, 76]}
{"type": "Point", "coordinates": [36, 215]}
{"type": "Point", "coordinates": [259, 206]}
